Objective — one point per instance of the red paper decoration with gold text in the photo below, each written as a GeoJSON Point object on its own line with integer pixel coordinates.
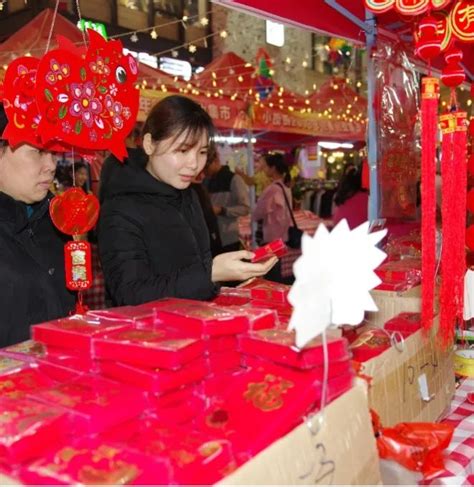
{"type": "Point", "coordinates": [88, 98]}
{"type": "Point", "coordinates": [405, 7]}
{"type": "Point", "coordinates": [461, 20]}
{"type": "Point", "coordinates": [78, 265]}
{"type": "Point", "coordinates": [74, 212]}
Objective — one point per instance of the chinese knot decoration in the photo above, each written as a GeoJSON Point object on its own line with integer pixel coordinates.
{"type": "Point", "coordinates": [73, 97]}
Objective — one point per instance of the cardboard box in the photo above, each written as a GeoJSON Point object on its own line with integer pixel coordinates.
{"type": "Point", "coordinates": [342, 452]}
{"type": "Point", "coordinates": [414, 384]}
{"type": "Point", "coordinates": [391, 303]}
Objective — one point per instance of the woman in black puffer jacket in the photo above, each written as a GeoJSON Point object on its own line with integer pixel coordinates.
{"type": "Point", "coordinates": [153, 240]}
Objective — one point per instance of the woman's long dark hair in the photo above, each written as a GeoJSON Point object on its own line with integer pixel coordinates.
{"type": "Point", "coordinates": [277, 161]}
{"type": "Point", "coordinates": [176, 115]}
{"type": "Point", "coordinates": [350, 184]}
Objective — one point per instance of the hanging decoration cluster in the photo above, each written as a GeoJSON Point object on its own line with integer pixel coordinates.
{"type": "Point", "coordinates": [446, 23]}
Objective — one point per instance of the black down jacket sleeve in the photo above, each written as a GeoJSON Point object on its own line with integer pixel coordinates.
{"type": "Point", "coordinates": [135, 272]}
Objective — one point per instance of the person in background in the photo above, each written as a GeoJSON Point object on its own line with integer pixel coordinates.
{"type": "Point", "coordinates": [153, 240]}
{"type": "Point", "coordinates": [272, 207]}
{"type": "Point", "coordinates": [351, 200]}
{"type": "Point", "coordinates": [230, 200]}
{"type": "Point", "coordinates": [32, 276]}
{"type": "Point", "coordinates": [208, 212]}
{"type": "Point", "coordinates": [260, 179]}
{"type": "Point", "coordinates": [80, 178]}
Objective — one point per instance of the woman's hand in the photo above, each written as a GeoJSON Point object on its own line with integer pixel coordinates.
{"type": "Point", "coordinates": [231, 266]}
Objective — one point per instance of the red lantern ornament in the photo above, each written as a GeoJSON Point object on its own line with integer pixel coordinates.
{"type": "Point", "coordinates": [470, 237]}
{"type": "Point", "coordinates": [453, 74]}
{"type": "Point", "coordinates": [74, 213]}
{"type": "Point", "coordinates": [470, 200]}
{"type": "Point", "coordinates": [428, 41]}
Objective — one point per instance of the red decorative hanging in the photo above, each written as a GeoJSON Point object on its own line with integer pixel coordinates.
{"type": "Point", "coordinates": [453, 73]}
{"type": "Point", "coordinates": [470, 164]}
{"type": "Point", "coordinates": [405, 7]}
{"type": "Point", "coordinates": [470, 200]}
{"type": "Point", "coordinates": [74, 213]}
{"type": "Point", "coordinates": [470, 237]}
{"type": "Point", "coordinates": [461, 20]}
{"type": "Point", "coordinates": [429, 111]}
{"type": "Point", "coordinates": [428, 41]}
{"type": "Point", "coordinates": [453, 212]}
{"type": "Point", "coordinates": [88, 97]}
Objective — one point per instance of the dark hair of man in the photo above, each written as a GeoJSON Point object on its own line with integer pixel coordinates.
{"type": "Point", "coordinates": [3, 124]}
{"type": "Point", "coordinates": [176, 115]}
{"type": "Point", "coordinates": [351, 184]}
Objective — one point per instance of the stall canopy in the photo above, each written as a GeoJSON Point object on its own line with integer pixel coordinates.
{"type": "Point", "coordinates": [323, 16]}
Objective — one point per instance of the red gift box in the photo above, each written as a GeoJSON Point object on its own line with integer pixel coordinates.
{"type": "Point", "coordinates": [155, 380]}
{"type": "Point", "coordinates": [10, 363]}
{"type": "Point", "coordinates": [28, 350]}
{"type": "Point", "coordinates": [75, 333]}
{"type": "Point", "coordinates": [92, 461]}
{"type": "Point", "coordinates": [396, 285]}
{"type": "Point", "coordinates": [400, 270]}
{"type": "Point", "coordinates": [261, 289]}
{"type": "Point", "coordinates": [370, 344]}
{"type": "Point", "coordinates": [276, 248]}
{"type": "Point", "coordinates": [282, 310]}
{"type": "Point", "coordinates": [404, 323]}
{"type": "Point", "coordinates": [336, 368]}
{"type": "Point", "coordinates": [219, 381]}
{"type": "Point", "coordinates": [64, 364]}
{"type": "Point", "coordinates": [142, 316]}
{"type": "Point", "coordinates": [259, 318]}
{"type": "Point", "coordinates": [160, 347]}
{"type": "Point", "coordinates": [28, 428]}
{"type": "Point", "coordinates": [177, 411]}
{"type": "Point", "coordinates": [223, 361]}
{"type": "Point", "coordinates": [199, 317]}
{"type": "Point", "coordinates": [94, 404]}
{"type": "Point", "coordinates": [221, 343]}
{"type": "Point", "coordinates": [261, 405]}
{"type": "Point", "coordinates": [19, 382]}
{"type": "Point", "coordinates": [279, 346]}
{"type": "Point", "coordinates": [195, 457]}
{"type": "Point", "coordinates": [232, 296]}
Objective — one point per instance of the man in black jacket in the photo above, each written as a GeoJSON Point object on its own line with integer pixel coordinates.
{"type": "Point", "coordinates": [32, 280]}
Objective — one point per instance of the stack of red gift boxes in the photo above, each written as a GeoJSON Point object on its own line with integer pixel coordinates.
{"type": "Point", "coordinates": [173, 391]}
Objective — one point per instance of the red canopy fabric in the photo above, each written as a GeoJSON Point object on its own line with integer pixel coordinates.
{"type": "Point", "coordinates": [319, 16]}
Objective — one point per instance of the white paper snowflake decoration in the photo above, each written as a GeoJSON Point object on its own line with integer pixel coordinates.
{"type": "Point", "coordinates": [333, 278]}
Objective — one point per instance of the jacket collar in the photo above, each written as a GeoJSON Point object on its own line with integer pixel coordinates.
{"type": "Point", "coordinates": [14, 212]}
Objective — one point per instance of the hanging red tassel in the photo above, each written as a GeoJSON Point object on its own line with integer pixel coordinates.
{"type": "Point", "coordinates": [429, 117]}
{"type": "Point", "coordinates": [453, 213]}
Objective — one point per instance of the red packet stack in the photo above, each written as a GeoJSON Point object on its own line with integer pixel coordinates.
{"type": "Point", "coordinates": [74, 333]}
{"type": "Point", "coordinates": [221, 343]}
{"type": "Point", "coordinates": [17, 383]}
{"type": "Point", "coordinates": [28, 350]}
{"type": "Point", "coordinates": [223, 361]}
{"type": "Point", "coordinates": [399, 275]}
{"type": "Point", "coordinates": [271, 292]}
{"type": "Point", "coordinates": [156, 381]}
{"type": "Point", "coordinates": [370, 344]}
{"type": "Point", "coordinates": [279, 346]}
{"type": "Point", "coordinates": [93, 403]}
{"type": "Point", "coordinates": [97, 462]}
{"type": "Point", "coordinates": [261, 405]}
{"type": "Point", "coordinates": [28, 428]}
{"type": "Point", "coordinates": [201, 318]}
{"type": "Point", "coordinates": [276, 248]}
{"type": "Point", "coordinates": [160, 347]}
{"type": "Point", "coordinates": [61, 363]}
{"type": "Point", "coordinates": [142, 316]}
{"type": "Point", "coordinates": [194, 457]}
{"type": "Point", "coordinates": [404, 323]}
{"type": "Point", "coordinates": [11, 364]}
{"type": "Point", "coordinates": [232, 296]}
